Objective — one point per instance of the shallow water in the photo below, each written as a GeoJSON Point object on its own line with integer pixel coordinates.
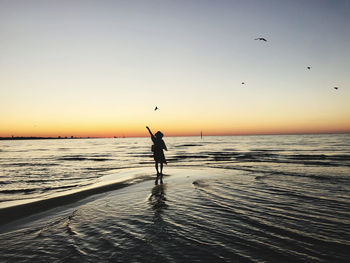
{"type": "Point", "coordinates": [37, 168]}
{"type": "Point", "coordinates": [208, 215]}
{"type": "Point", "coordinates": [240, 199]}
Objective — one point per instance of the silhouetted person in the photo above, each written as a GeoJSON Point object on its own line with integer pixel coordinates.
{"type": "Point", "coordinates": [158, 153]}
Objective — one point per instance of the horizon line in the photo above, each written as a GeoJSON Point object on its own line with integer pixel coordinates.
{"type": "Point", "coordinates": [183, 135]}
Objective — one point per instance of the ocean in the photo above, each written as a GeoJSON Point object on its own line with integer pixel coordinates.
{"type": "Point", "coordinates": [271, 198]}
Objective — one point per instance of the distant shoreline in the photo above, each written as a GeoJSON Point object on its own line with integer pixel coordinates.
{"type": "Point", "coordinates": [45, 138]}
{"type": "Point", "coordinates": [14, 138]}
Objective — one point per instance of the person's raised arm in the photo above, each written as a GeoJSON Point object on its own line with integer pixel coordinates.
{"type": "Point", "coordinates": [149, 131]}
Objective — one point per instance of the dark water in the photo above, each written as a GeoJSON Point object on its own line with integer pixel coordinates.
{"type": "Point", "coordinates": [226, 199]}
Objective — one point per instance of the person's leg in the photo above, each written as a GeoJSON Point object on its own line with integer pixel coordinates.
{"type": "Point", "coordinates": [161, 173]}
{"type": "Point", "coordinates": [156, 164]}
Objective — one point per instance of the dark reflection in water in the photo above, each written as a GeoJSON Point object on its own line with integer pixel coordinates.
{"type": "Point", "coordinates": [157, 198]}
{"type": "Point", "coordinates": [158, 232]}
{"type": "Point", "coordinates": [158, 204]}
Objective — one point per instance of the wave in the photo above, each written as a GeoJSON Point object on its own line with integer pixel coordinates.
{"type": "Point", "coordinates": [28, 164]}
{"type": "Point", "coordinates": [266, 156]}
{"type": "Point", "coordinates": [340, 157]}
{"type": "Point", "coordinates": [15, 191]}
{"type": "Point", "coordinates": [63, 149]}
{"type": "Point", "coordinates": [72, 159]}
{"type": "Point", "coordinates": [271, 173]}
{"type": "Point", "coordinates": [99, 159]}
{"type": "Point", "coordinates": [82, 158]}
{"type": "Point", "coordinates": [7, 182]}
{"type": "Point", "coordinates": [188, 145]}
{"type": "Point", "coordinates": [41, 189]}
{"type": "Point", "coordinates": [77, 178]}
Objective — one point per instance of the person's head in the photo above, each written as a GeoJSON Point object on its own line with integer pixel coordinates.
{"type": "Point", "coordinates": [159, 135]}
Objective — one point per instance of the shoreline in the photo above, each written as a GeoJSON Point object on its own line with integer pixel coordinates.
{"type": "Point", "coordinates": [13, 210]}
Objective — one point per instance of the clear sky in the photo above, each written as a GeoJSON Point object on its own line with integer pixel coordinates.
{"type": "Point", "coordinates": [98, 68]}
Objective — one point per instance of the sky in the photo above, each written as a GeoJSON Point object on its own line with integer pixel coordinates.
{"type": "Point", "coordinates": [99, 68]}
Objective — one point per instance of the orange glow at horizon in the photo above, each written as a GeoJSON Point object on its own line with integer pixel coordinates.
{"type": "Point", "coordinates": [169, 128]}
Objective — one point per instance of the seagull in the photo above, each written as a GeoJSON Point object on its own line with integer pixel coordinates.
{"type": "Point", "coordinates": [243, 83]}
{"type": "Point", "coordinates": [261, 38]}
{"type": "Point", "coordinates": [308, 67]}
{"type": "Point", "coordinates": [336, 87]}
{"type": "Point", "coordinates": [156, 108]}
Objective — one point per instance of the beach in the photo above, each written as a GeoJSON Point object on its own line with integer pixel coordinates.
{"type": "Point", "coordinates": [175, 131]}
{"type": "Point", "coordinates": [215, 205]}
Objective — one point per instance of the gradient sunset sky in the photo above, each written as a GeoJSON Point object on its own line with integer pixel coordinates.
{"type": "Point", "coordinates": [98, 68]}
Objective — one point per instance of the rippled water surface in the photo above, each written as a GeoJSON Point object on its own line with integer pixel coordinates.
{"type": "Point", "coordinates": [225, 199]}
{"type": "Point", "coordinates": [35, 168]}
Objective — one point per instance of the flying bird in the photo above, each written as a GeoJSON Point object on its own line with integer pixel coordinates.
{"type": "Point", "coordinates": [261, 38]}
{"type": "Point", "coordinates": [308, 67]}
{"type": "Point", "coordinates": [243, 83]}
{"type": "Point", "coordinates": [156, 108]}
{"type": "Point", "coordinates": [336, 87]}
